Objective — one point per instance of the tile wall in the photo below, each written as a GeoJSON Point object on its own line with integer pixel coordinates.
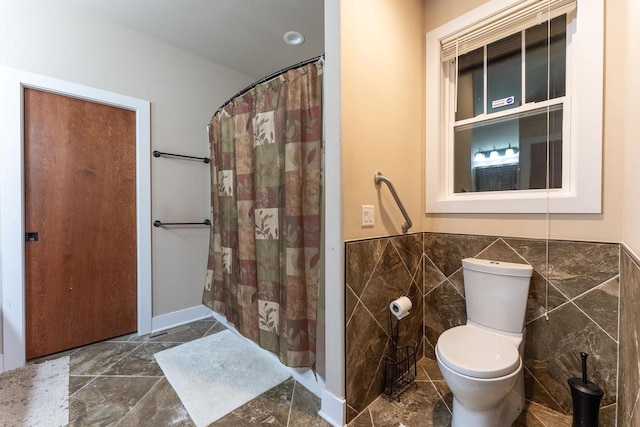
{"type": "Point", "coordinates": [629, 374]}
{"type": "Point", "coordinates": [579, 284]}
{"type": "Point", "coordinates": [378, 271]}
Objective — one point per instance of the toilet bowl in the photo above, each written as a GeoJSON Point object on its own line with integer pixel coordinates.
{"type": "Point", "coordinates": [484, 373]}
{"type": "Point", "coordinates": [481, 361]}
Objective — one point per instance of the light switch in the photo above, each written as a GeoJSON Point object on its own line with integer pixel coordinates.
{"type": "Point", "coordinates": [367, 216]}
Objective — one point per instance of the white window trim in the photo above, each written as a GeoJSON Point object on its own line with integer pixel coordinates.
{"type": "Point", "coordinates": [583, 165]}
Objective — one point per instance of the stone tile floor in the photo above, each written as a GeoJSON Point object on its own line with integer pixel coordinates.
{"type": "Point", "coordinates": [429, 404]}
{"type": "Point", "coordinates": [118, 383]}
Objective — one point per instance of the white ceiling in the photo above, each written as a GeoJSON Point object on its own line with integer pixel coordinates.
{"type": "Point", "coordinates": [245, 35]}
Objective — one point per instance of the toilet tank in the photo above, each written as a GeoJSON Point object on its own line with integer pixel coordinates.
{"type": "Point", "coordinates": [496, 293]}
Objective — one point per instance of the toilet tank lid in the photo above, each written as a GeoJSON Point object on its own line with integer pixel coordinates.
{"type": "Point", "coordinates": [497, 267]}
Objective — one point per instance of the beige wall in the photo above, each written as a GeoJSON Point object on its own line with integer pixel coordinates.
{"type": "Point", "coordinates": [602, 227]}
{"type": "Point", "coordinates": [382, 68]}
{"type": "Point", "coordinates": [49, 39]}
{"type": "Point", "coordinates": [631, 136]}
{"type": "Point", "coordinates": [382, 88]}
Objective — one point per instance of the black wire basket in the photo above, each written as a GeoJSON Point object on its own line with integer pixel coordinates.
{"type": "Point", "coordinates": [400, 367]}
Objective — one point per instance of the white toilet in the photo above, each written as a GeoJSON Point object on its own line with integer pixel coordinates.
{"type": "Point", "coordinates": [482, 360]}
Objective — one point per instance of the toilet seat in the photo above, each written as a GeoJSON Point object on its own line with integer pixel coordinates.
{"type": "Point", "coordinates": [477, 353]}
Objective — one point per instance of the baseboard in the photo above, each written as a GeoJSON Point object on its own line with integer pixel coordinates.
{"type": "Point", "coordinates": [333, 409]}
{"type": "Point", "coordinates": [180, 317]}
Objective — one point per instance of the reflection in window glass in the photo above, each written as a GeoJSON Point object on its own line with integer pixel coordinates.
{"type": "Point", "coordinates": [536, 59]}
{"type": "Point", "coordinates": [509, 153]}
{"type": "Point", "coordinates": [470, 84]}
{"type": "Point", "coordinates": [504, 74]}
{"type": "Point", "coordinates": [533, 146]}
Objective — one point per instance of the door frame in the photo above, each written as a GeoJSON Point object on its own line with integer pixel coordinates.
{"type": "Point", "coordinates": [12, 205]}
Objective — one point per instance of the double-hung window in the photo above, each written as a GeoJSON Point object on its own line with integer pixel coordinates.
{"type": "Point", "coordinates": [514, 108]}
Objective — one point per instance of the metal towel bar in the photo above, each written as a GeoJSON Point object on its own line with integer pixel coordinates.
{"type": "Point", "coordinates": [407, 224]}
{"type": "Point", "coordinates": [158, 223]}
{"type": "Point", "coordinates": [182, 156]}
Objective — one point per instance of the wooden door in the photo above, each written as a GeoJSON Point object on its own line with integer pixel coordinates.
{"type": "Point", "coordinates": [80, 197]}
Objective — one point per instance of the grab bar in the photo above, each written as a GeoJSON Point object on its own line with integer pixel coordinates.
{"type": "Point", "coordinates": [158, 223]}
{"type": "Point", "coordinates": [160, 153]}
{"type": "Point", "coordinates": [407, 224]}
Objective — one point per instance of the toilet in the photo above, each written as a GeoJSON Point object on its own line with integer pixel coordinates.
{"type": "Point", "coordinates": [482, 360]}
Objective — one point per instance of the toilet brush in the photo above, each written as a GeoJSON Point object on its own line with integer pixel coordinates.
{"type": "Point", "coordinates": [586, 398]}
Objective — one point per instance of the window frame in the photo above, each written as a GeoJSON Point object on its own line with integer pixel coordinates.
{"type": "Point", "coordinates": [582, 123]}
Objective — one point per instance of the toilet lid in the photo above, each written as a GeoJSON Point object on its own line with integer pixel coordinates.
{"type": "Point", "coordinates": [477, 353]}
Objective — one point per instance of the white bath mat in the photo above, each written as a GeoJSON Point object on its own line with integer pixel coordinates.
{"type": "Point", "coordinates": [36, 395]}
{"type": "Point", "coordinates": [217, 374]}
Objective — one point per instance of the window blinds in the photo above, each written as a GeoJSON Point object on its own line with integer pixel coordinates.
{"type": "Point", "coordinates": [516, 18]}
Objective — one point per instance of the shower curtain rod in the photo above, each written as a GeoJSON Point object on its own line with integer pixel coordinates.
{"type": "Point", "coordinates": [271, 76]}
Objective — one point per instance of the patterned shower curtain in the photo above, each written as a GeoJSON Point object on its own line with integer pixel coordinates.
{"type": "Point", "coordinates": [265, 192]}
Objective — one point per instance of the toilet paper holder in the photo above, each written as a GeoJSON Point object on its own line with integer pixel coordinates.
{"type": "Point", "coordinates": [400, 369]}
{"type": "Point", "coordinates": [400, 307]}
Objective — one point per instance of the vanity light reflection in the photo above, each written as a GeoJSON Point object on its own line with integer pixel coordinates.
{"type": "Point", "coordinates": [509, 153]}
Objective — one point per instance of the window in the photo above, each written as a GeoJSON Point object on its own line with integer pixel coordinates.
{"type": "Point", "coordinates": [514, 108]}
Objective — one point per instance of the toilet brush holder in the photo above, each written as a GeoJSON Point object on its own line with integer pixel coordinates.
{"type": "Point", "coordinates": [586, 398]}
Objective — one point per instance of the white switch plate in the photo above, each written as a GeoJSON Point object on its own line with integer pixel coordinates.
{"type": "Point", "coordinates": [367, 216]}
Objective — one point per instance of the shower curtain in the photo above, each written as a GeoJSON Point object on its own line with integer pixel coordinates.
{"type": "Point", "coordinates": [265, 199]}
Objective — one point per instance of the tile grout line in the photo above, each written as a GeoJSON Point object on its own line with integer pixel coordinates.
{"type": "Point", "coordinates": [96, 376]}
{"type": "Point", "coordinates": [486, 247]}
{"type": "Point", "coordinates": [293, 394]}
{"type": "Point", "coordinates": [372, 316]}
{"type": "Point", "coordinates": [620, 250]}
{"type": "Point", "coordinates": [119, 360]}
{"type": "Point", "coordinates": [366, 284]}
{"type": "Point", "coordinates": [568, 299]}
{"type": "Point", "coordinates": [571, 301]}
{"type": "Point", "coordinates": [120, 376]}
{"type": "Point", "coordinates": [446, 279]}
{"type": "Point", "coordinates": [537, 419]}
{"type": "Point", "coordinates": [215, 322]}
{"type": "Point", "coordinates": [541, 385]}
{"type": "Point", "coordinates": [635, 406]}
{"type": "Point", "coordinates": [369, 389]}
{"type": "Point", "coordinates": [454, 287]}
{"type": "Point", "coordinates": [547, 282]}
{"type": "Point", "coordinates": [378, 366]}
{"type": "Point", "coordinates": [590, 318]}
{"type": "Point", "coordinates": [136, 346]}
{"type": "Point", "coordinates": [516, 252]}
{"type": "Point", "coordinates": [404, 264]}
{"type": "Point", "coordinates": [436, 388]}
{"type": "Point", "coordinates": [93, 378]}
{"type": "Point", "coordinates": [358, 300]}
{"type": "Point", "coordinates": [594, 322]}
{"type": "Point", "coordinates": [140, 344]}
{"type": "Point", "coordinates": [138, 402]}
{"type": "Point", "coordinates": [597, 286]}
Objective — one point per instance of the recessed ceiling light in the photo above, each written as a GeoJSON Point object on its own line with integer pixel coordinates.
{"type": "Point", "coordinates": [293, 38]}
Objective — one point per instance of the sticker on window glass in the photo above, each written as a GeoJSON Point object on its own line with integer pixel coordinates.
{"type": "Point", "coordinates": [503, 102]}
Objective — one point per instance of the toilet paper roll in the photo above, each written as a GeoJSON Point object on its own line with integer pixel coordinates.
{"type": "Point", "coordinates": [400, 307]}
